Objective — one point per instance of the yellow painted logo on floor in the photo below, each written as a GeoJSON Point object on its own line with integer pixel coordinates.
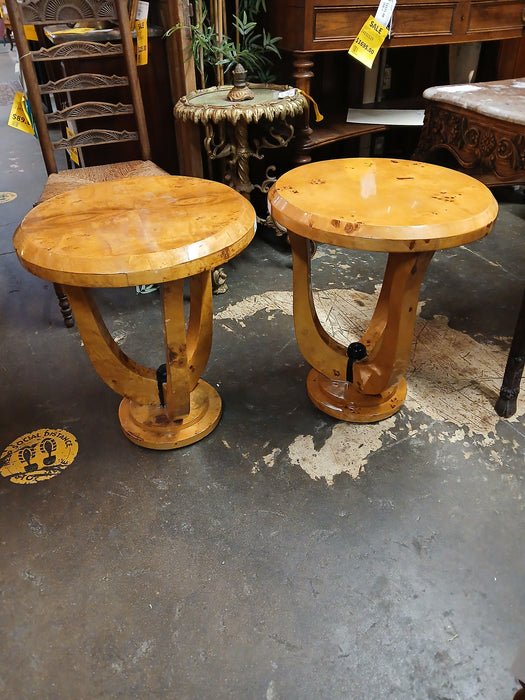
{"type": "Point", "coordinates": [38, 456]}
{"type": "Point", "coordinates": [7, 197]}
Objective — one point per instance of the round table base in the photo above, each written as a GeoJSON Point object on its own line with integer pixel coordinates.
{"type": "Point", "coordinates": [341, 400]}
{"type": "Point", "coordinates": [149, 426]}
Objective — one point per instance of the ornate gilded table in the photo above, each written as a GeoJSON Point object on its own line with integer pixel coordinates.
{"type": "Point", "coordinates": [403, 208]}
{"type": "Point", "coordinates": [135, 231]}
{"type": "Point", "coordinates": [226, 127]}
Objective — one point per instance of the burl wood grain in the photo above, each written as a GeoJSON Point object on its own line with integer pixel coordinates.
{"type": "Point", "coordinates": [403, 208]}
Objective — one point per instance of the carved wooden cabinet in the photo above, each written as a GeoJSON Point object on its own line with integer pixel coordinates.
{"type": "Point", "coordinates": [310, 27]}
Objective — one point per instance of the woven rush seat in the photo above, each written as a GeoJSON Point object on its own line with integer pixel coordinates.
{"type": "Point", "coordinates": [67, 180]}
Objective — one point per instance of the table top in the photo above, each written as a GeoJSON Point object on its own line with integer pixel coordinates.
{"type": "Point", "coordinates": [382, 204]}
{"type": "Point", "coordinates": [498, 99]}
{"type": "Point", "coordinates": [211, 104]}
{"type": "Point", "coordinates": [134, 231]}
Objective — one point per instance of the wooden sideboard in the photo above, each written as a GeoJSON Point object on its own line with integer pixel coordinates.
{"type": "Point", "coordinates": [310, 27]}
{"type": "Point", "coordinates": [330, 25]}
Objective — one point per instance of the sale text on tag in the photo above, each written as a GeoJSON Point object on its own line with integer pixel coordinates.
{"type": "Point", "coordinates": [142, 42]}
{"type": "Point", "coordinates": [19, 117]}
{"type": "Point", "coordinates": [368, 42]}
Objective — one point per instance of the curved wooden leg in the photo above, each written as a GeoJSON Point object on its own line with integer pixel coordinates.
{"type": "Point", "coordinates": [510, 388]}
{"type": "Point", "coordinates": [171, 407]}
{"type": "Point", "coordinates": [363, 383]}
{"type": "Point", "coordinates": [65, 306]}
{"type": "Point", "coordinates": [316, 346]}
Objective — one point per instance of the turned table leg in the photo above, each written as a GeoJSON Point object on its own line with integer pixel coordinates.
{"type": "Point", "coordinates": [171, 406]}
{"type": "Point", "coordinates": [508, 398]}
{"type": "Point", "coordinates": [364, 382]}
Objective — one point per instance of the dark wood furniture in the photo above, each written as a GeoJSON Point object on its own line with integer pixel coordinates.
{"type": "Point", "coordinates": [310, 27]}
{"type": "Point", "coordinates": [64, 111]}
{"type": "Point", "coordinates": [482, 125]}
{"type": "Point", "coordinates": [403, 208]}
{"type": "Point", "coordinates": [507, 401]}
{"type": "Point", "coordinates": [137, 231]}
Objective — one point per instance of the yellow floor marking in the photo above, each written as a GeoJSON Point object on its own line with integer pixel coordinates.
{"type": "Point", "coordinates": [7, 197]}
{"type": "Point", "coordinates": [38, 456]}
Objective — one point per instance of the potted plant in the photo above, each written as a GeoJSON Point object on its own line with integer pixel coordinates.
{"type": "Point", "coordinates": [226, 33]}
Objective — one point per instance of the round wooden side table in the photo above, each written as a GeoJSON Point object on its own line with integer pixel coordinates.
{"type": "Point", "coordinates": [404, 208]}
{"type": "Point", "coordinates": [136, 231]}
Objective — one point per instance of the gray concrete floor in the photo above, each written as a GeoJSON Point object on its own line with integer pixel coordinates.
{"type": "Point", "coordinates": [286, 556]}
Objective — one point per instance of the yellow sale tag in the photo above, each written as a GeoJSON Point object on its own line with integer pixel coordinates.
{"type": "Point", "coordinates": [73, 152]}
{"type": "Point", "coordinates": [141, 27]}
{"type": "Point", "coordinates": [30, 32]}
{"type": "Point", "coordinates": [368, 42]}
{"type": "Point", "coordinates": [19, 118]}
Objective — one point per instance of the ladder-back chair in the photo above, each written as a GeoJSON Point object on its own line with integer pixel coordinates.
{"type": "Point", "coordinates": [80, 100]}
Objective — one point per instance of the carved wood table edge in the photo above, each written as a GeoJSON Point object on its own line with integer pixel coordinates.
{"type": "Point", "coordinates": [404, 208]}
{"type": "Point", "coordinates": [158, 229]}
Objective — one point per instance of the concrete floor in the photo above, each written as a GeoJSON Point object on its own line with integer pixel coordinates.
{"type": "Point", "coordinates": [286, 556]}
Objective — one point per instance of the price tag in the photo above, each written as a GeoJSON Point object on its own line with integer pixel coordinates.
{"type": "Point", "coordinates": [142, 10]}
{"type": "Point", "coordinates": [30, 32]}
{"type": "Point", "coordinates": [73, 152]}
{"type": "Point", "coordinates": [368, 42]}
{"type": "Point", "coordinates": [141, 27]}
{"type": "Point", "coordinates": [286, 93]}
{"type": "Point", "coordinates": [385, 11]}
{"type": "Point", "coordinates": [19, 117]}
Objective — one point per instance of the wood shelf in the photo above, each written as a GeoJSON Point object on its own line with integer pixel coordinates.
{"type": "Point", "coordinates": [332, 131]}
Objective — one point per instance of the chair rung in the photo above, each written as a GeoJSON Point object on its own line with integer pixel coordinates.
{"type": "Point", "coordinates": [83, 81]}
{"type": "Point", "coordinates": [87, 110]}
{"type": "Point", "coordinates": [76, 49]}
{"type": "Point", "coordinates": [94, 137]}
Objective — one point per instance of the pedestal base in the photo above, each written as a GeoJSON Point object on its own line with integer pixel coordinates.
{"type": "Point", "coordinates": [149, 426]}
{"type": "Point", "coordinates": [341, 400]}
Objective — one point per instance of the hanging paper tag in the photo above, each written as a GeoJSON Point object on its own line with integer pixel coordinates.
{"type": "Point", "coordinates": [368, 42]}
{"type": "Point", "coordinates": [30, 32]}
{"type": "Point", "coordinates": [141, 27]}
{"type": "Point", "coordinates": [19, 117]}
{"type": "Point", "coordinates": [73, 152]}
{"type": "Point", "coordinates": [142, 10]}
{"type": "Point", "coordinates": [286, 93]}
{"type": "Point", "coordinates": [385, 11]}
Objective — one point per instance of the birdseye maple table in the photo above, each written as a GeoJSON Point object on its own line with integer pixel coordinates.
{"type": "Point", "coordinates": [404, 208]}
{"type": "Point", "coordinates": [135, 231]}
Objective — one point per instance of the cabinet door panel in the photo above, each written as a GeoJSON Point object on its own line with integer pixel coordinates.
{"type": "Point", "coordinates": [494, 16]}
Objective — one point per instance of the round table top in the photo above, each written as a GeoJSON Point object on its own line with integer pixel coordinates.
{"type": "Point", "coordinates": [382, 204]}
{"type": "Point", "coordinates": [212, 104]}
{"type": "Point", "coordinates": [134, 231]}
